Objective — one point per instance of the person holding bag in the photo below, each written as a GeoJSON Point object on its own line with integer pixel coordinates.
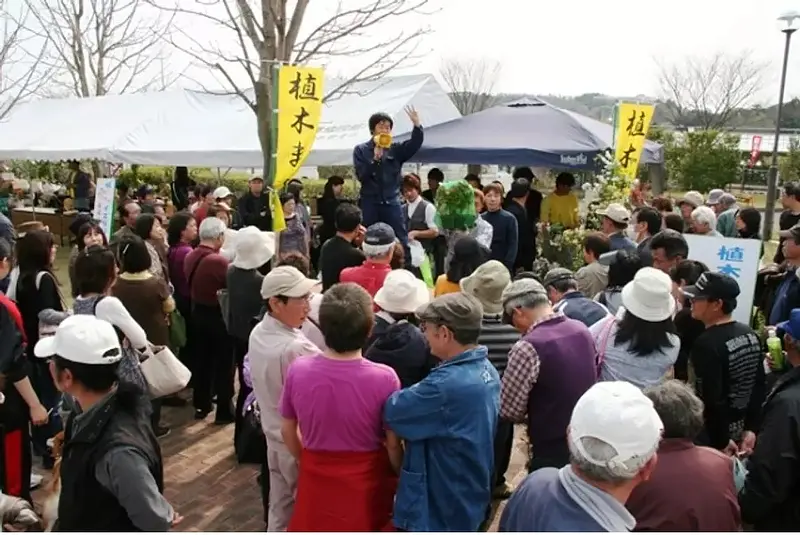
{"type": "Point", "coordinates": [147, 298]}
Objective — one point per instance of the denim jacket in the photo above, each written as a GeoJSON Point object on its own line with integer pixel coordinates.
{"type": "Point", "coordinates": [448, 421]}
{"type": "Point", "coordinates": [380, 180]}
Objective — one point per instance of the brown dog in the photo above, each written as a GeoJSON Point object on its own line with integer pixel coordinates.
{"type": "Point", "coordinates": [50, 509]}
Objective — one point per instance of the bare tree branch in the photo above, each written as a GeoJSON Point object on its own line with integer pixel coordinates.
{"type": "Point", "coordinates": [470, 82]}
{"type": "Point", "coordinates": [99, 47]}
{"type": "Point", "coordinates": [22, 72]}
{"type": "Point", "coordinates": [708, 92]}
{"type": "Point", "coordinates": [264, 33]}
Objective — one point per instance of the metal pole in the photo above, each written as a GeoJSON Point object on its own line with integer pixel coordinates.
{"type": "Point", "coordinates": [772, 177]}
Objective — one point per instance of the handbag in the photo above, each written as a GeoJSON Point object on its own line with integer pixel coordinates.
{"type": "Point", "coordinates": [251, 445]}
{"type": "Point", "coordinates": [177, 330]}
{"type": "Point", "coordinates": [165, 374]}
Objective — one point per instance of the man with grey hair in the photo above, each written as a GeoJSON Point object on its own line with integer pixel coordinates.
{"type": "Point", "coordinates": [704, 222]}
{"type": "Point", "coordinates": [206, 272]}
{"type": "Point", "coordinates": [692, 487]}
{"type": "Point", "coordinates": [378, 247]}
{"type": "Point", "coordinates": [613, 436]}
{"type": "Point", "coordinates": [562, 290]}
{"type": "Point", "coordinates": [726, 215]}
{"type": "Point", "coordinates": [548, 369]}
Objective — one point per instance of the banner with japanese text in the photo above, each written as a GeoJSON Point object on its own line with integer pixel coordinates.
{"type": "Point", "coordinates": [299, 92]}
{"type": "Point", "coordinates": [632, 123]}
{"type": "Point", "coordinates": [735, 257]}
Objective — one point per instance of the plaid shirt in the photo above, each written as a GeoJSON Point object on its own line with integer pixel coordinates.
{"type": "Point", "coordinates": [520, 376]}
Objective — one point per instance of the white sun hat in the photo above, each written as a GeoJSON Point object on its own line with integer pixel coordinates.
{"type": "Point", "coordinates": [253, 248]}
{"type": "Point", "coordinates": [649, 295]}
{"type": "Point", "coordinates": [402, 293]}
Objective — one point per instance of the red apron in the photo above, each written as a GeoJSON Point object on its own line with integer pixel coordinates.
{"type": "Point", "coordinates": [344, 491]}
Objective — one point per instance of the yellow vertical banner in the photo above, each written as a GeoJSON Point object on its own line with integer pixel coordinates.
{"type": "Point", "coordinates": [278, 221]}
{"type": "Point", "coordinates": [299, 114]}
{"type": "Point", "coordinates": [632, 123]}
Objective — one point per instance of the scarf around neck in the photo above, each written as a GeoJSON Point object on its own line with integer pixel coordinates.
{"type": "Point", "coordinates": [601, 506]}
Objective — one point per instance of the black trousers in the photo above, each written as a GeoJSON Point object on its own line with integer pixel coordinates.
{"type": "Point", "coordinates": [155, 417]}
{"type": "Point", "coordinates": [239, 352]}
{"type": "Point", "coordinates": [557, 460]}
{"type": "Point", "coordinates": [263, 480]}
{"type": "Point", "coordinates": [187, 352]}
{"type": "Point", "coordinates": [503, 442]}
{"type": "Point", "coordinates": [213, 372]}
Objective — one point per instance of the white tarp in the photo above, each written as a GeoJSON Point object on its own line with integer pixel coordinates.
{"type": "Point", "coordinates": [192, 128]}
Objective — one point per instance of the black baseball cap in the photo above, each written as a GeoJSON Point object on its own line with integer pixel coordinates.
{"type": "Point", "coordinates": [713, 286]}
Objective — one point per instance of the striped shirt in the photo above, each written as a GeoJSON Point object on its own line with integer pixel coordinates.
{"type": "Point", "coordinates": [498, 337]}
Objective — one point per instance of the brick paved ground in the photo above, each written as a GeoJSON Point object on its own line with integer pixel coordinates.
{"type": "Point", "coordinates": [213, 493]}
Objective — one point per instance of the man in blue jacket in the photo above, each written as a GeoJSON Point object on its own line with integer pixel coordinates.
{"type": "Point", "coordinates": [379, 170]}
{"type": "Point", "coordinates": [448, 423]}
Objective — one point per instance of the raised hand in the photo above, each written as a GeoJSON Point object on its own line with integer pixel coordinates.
{"type": "Point", "coordinates": [412, 114]}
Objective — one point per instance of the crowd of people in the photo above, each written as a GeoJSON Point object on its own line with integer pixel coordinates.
{"type": "Point", "coordinates": [373, 399]}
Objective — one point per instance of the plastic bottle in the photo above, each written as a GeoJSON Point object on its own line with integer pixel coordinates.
{"type": "Point", "coordinates": [775, 349]}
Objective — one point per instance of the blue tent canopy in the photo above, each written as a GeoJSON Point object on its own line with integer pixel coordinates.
{"type": "Point", "coordinates": [525, 132]}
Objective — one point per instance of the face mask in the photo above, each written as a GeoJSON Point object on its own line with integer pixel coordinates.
{"type": "Point", "coordinates": [632, 233]}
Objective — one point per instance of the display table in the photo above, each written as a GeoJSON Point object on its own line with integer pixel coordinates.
{"type": "Point", "coordinates": [57, 222]}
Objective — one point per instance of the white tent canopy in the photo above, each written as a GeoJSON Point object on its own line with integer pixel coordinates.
{"type": "Point", "coordinates": [191, 128]}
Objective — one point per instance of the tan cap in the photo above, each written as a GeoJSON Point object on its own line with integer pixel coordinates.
{"type": "Point", "coordinates": [288, 282]}
{"type": "Point", "coordinates": [457, 311]}
{"type": "Point", "coordinates": [616, 212]}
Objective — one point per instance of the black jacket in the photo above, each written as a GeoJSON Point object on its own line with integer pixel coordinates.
{"type": "Point", "coordinates": [402, 347]}
{"type": "Point", "coordinates": [770, 499]}
{"type": "Point", "coordinates": [85, 505]}
{"type": "Point", "coordinates": [250, 209]}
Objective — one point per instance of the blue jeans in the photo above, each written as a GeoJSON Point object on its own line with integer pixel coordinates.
{"type": "Point", "coordinates": [374, 211]}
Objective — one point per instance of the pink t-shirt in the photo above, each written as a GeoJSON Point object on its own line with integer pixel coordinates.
{"type": "Point", "coordinates": [338, 404]}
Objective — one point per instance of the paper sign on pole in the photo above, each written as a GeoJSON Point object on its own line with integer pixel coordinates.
{"type": "Point", "coordinates": [105, 197]}
{"type": "Point", "coordinates": [632, 123]}
{"type": "Point", "coordinates": [736, 257]}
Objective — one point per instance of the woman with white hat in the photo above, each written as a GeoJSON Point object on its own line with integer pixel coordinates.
{"type": "Point", "coordinates": [395, 340]}
{"type": "Point", "coordinates": [253, 249]}
{"type": "Point", "coordinates": [639, 344]}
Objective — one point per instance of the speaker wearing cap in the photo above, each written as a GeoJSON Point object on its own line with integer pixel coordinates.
{"type": "Point", "coordinates": [432, 414]}
{"type": "Point", "coordinates": [111, 453]}
{"type": "Point", "coordinates": [613, 436]}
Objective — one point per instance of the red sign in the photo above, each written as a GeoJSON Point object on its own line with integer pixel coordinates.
{"type": "Point", "coordinates": [755, 151]}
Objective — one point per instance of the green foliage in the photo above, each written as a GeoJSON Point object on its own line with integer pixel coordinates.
{"type": "Point", "coordinates": [54, 172]}
{"type": "Point", "coordinates": [789, 164]}
{"type": "Point", "coordinates": [455, 205]}
{"type": "Point", "coordinates": [327, 171]}
{"type": "Point", "coordinates": [704, 160]}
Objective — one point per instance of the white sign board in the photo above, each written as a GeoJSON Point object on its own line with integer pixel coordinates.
{"type": "Point", "coordinates": [105, 197]}
{"type": "Point", "coordinates": [736, 257]}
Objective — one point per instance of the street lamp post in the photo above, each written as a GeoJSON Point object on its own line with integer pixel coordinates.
{"type": "Point", "coordinates": [788, 21]}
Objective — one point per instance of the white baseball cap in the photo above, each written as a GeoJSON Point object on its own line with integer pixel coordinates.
{"type": "Point", "coordinates": [616, 212]}
{"type": "Point", "coordinates": [619, 414]}
{"type": "Point", "coordinates": [82, 339]}
{"type": "Point", "coordinates": [222, 192]}
{"type": "Point", "coordinates": [287, 281]}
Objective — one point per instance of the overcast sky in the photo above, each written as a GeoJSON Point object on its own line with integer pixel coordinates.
{"type": "Point", "coordinates": [571, 47]}
{"type": "Point", "coordinates": [564, 47]}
